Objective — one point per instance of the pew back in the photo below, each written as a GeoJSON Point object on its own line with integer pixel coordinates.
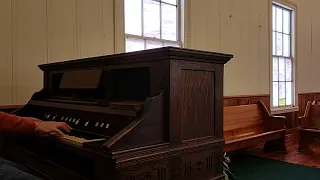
{"type": "Point", "coordinates": [241, 121]}
{"type": "Point", "coordinates": [315, 115]}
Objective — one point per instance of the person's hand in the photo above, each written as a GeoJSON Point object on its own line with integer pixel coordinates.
{"type": "Point", "coordinates": [48, 127]}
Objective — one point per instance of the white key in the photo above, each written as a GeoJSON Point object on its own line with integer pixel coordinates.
{"type": "Point", "coordinates": [77, 141]}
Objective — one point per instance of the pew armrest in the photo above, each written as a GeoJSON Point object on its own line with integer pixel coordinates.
{"type": "Point", "coordinates": [304, 122]}
{"type": "Point", "coordinates": [274, 123]}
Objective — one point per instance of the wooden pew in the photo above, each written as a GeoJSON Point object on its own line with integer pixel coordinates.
{"type": "Point", "coordinates": [309, 125]}
{"type": "Point", "coordinates": [248, 125]}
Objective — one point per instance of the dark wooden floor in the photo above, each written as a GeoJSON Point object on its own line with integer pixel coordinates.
{"type": "Point", "coordinates": [309, 157]}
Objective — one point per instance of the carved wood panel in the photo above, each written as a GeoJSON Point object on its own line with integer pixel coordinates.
{"type": "Point", "coordinates": [198, 165]}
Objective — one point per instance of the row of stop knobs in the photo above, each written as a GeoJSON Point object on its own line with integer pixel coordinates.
{"type": "Point", "coordinates": [77, 121]}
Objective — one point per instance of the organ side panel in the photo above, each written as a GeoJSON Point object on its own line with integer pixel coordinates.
{"type": "Point", "coordinates": [197, 100]}
{"type": "Point", "coordinates": [193, 87]}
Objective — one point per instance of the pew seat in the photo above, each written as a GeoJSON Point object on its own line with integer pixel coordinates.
{"type": "Point", "coordinates": [309, 125]}
{"type": "Point", "coordinates": [250, 125]}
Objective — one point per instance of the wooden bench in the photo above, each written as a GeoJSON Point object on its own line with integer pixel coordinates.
{"type": "Point", "coordinates": [248, 125]}
{"type": "Point", "coordinates": [309, 125]}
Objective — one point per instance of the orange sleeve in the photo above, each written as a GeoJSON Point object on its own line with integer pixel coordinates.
{"type": "Point", "coordinates": [15, 125]}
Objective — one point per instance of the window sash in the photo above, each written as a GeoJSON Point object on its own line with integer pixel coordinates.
{"type": "Point", "coordinates": [285, 81]}
{"type": "Point", "coordinates": [275, 30]}
{"type": "Point", "coordinates": [178, 26]}
{"type": "Point", "coordinates": [153, 39]}
{"type": "Point", "coordinates": [275, 81]}
{"type": "Point", "coordinates": [146, 39]}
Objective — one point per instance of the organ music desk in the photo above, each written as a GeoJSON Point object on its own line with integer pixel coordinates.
{"type": "Point", "coordinates": [153, 114]}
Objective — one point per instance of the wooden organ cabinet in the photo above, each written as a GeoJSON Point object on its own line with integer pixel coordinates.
{"type": "Point", "coordinates": [153, 114]}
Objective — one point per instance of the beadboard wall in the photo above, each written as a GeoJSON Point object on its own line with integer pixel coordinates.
{"type": "Point", "coordinates": [41, 31]}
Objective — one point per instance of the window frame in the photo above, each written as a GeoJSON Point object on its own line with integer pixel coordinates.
{"type": "Point", "coordinates": [293, 30]}
{"type": "Point", "coordinates": [179, 30]}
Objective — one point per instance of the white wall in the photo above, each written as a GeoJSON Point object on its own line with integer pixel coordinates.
{"type": "Point", "coordinates": [39, 31]}
{"type": "Point", "coordinates": [309, 43]}
{"type": "Point", "coordinates": [6, 84]}
{"type": "Point", "coordinates": [240, 27]}
{"type": "Point", "coordinates": [34, 32]}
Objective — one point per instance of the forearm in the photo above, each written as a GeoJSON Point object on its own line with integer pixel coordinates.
{"type": "Point", "coordinates": [12, 124]}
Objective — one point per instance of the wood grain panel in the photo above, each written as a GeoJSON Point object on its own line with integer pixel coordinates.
{"type": "Point", "coordinates": [304, 98]}
{"type": "Point", "coordinates": [242, 113]}
{"type": "Point", "coordinates": [175, 83]}
{"type": "Point", "coordinates": [242, 120]}
{"type": "Point", "coordinates": [245, 100]}
{"type": "Point", "coordinates": [314, 115]}
{"type": "Point", "coordinates": [197, 113]}
{"type": "Point", "coordinates": [90, 28]}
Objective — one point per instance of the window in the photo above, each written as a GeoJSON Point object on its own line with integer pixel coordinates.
{"type": "Point", "coordinates": [151, 24]}
{"type": "Point", "coordinates": [283, 61]}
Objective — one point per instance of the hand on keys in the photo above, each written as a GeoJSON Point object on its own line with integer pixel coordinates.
{"type": "Point", "coordinates": [50, 127]}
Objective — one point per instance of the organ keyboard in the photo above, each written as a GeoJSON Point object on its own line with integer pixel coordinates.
{"type": "Point", "coordinates": [153, 114]}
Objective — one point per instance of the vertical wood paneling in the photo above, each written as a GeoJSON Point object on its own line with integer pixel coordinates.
{"type": "Point", "coordinates": [204, 35]}
{"type": "Point", "coordinates": [62, 43]}
{"type": "Point", "coordinates": [315, 43]}
{"type": "Point", "coordinates": [87, 28]}
{"type": "Point", "coordinates": [252, 52]}
{"type": "Point", "coordinates": [119, 29]}
{"type": "Point", "coordinates": [212, 29]}
{"type": "Point", "coordinates": [90, 28]}
{"type": "Point", "coordinates": [241, 35]}
{"type": "Point", "coordinates": [245, 100]}
{"type": "Point", "coordinates": [263, 61]}
{"type": "Point", "coordinates": [34, 32]}
{"type": "Point", "coordinates": [225, 26]}
{"type": "Point", "coordinates": [244, 31]}
{"type": "Point", "coordinates": [233, 29]}
{"type": "Point", "coordinates": [304, 46]}
{"type": "Point", "coordinates": [5, 53]}
{"type": "Point", "coordinates": [29, 47]}
{"type": "Point", "coordinates": [108, 19]}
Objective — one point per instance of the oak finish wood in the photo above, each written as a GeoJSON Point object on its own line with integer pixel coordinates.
{"type": "Point", "coordinates": [309, 125]}
{"type": "Point", "coordinates": [247, 125]}
{"type": "Point", "coordinates": [197, 114]}
{"type": "Point", "coordinates": [291, 118]}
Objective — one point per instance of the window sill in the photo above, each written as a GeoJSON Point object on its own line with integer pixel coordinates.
{"type": "Point", "coordinates": [284, 110]}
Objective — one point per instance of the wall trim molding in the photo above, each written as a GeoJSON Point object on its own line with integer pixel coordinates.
{"type": "Point", "coordinates": [264, 95]}
{"type": "Point", "coordinates": [246, 96]}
